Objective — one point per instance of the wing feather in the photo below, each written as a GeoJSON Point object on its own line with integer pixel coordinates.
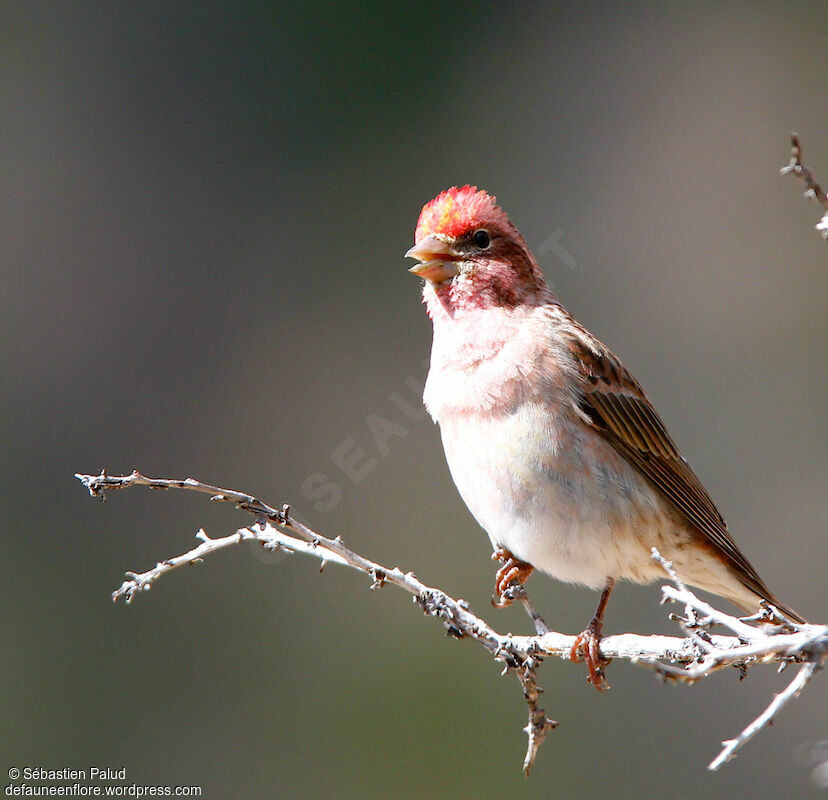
{"type": "Point", "coordinates": [615, 403]}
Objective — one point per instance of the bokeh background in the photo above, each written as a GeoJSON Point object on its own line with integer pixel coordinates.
{"type": "Point", "coordinates": [204, 210]}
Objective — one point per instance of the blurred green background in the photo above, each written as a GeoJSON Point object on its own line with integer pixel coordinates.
{"type": "Point", "coordinates": [204, 210]}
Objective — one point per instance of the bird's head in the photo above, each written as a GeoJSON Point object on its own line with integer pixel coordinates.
{"type": "Point", "coordinates": [471, 255]}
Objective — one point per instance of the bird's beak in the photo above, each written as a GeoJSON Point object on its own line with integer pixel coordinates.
{"type": "Point", "coordinates": [437, 260]}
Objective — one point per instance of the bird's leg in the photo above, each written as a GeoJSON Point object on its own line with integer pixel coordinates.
{"type": "Point", "coordinates": [588, 643]}
{"type": "Point", "coordinates": [511, 570]}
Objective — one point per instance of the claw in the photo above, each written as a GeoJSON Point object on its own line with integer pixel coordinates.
{"type": "Point", "coordinates": [588, 643]}
{"type": "Point", "coordinates": [587, 647]}
{"type": "Point", "coordinates": [512, 570]}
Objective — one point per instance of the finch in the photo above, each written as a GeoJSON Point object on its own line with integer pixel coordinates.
{"type": "Point", "coordinates": [551, 442]}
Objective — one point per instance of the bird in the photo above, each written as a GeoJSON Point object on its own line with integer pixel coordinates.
{"type": "Point", "coordinates": [551, 442]}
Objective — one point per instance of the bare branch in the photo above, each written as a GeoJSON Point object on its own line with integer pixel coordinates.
{"type": "Point", "coordinates": [812, 188]}
{"type": "Point", "coordinates": [686, 659]}
{"type": "Point", "coordinates": [757, 645]}
{"type": "Point", "coordinates": [806, 672]}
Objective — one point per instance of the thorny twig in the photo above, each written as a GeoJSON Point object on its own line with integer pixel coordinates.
{"type": "Point", "coordinates": [687, 659]}
{"type": "Point", "coordinates": [812, 188]}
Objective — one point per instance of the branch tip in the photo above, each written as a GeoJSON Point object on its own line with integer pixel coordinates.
{"type": "Point", "coordinates": [813, 191]}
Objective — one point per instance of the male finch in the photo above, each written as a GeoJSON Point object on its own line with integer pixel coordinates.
{"type": "Point", "coordinates": [553, 445]}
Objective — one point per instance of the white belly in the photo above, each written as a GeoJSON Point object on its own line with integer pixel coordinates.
{"type": "Point", "coordinates": [561, 498]}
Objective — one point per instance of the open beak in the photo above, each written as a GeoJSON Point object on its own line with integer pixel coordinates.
{"type": "Point", "coordinates": [437, 260]}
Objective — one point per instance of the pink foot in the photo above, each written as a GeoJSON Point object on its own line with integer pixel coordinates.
{"type": "Point", "coordinates": [587, 648]}
{"type": "Point", "coordinates": [512, 570]}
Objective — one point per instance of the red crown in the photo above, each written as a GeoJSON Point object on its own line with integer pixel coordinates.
{"type": "Point", "coordinates": [454, 212]}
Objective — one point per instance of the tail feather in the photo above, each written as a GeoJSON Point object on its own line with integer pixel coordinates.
{"type": "Point", "coordinates": [768, 597]}
{"type": "Point", "coordinates": [786, 610]}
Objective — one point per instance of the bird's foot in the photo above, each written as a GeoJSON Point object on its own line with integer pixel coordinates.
{"type": "Point", "coordinates": [511, 570]}
{"type": "Point", "coordinates": [587, 647]}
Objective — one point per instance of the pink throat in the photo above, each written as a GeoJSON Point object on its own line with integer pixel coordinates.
{"type": "Point", "coordinates": [488, 285]}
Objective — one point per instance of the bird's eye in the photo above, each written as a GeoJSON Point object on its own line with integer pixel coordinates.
{"type": "Point", "coordinates": [481, 239]}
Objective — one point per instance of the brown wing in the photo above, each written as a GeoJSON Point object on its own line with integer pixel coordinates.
{"type": "Point", "coordinates": [616, 405]}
